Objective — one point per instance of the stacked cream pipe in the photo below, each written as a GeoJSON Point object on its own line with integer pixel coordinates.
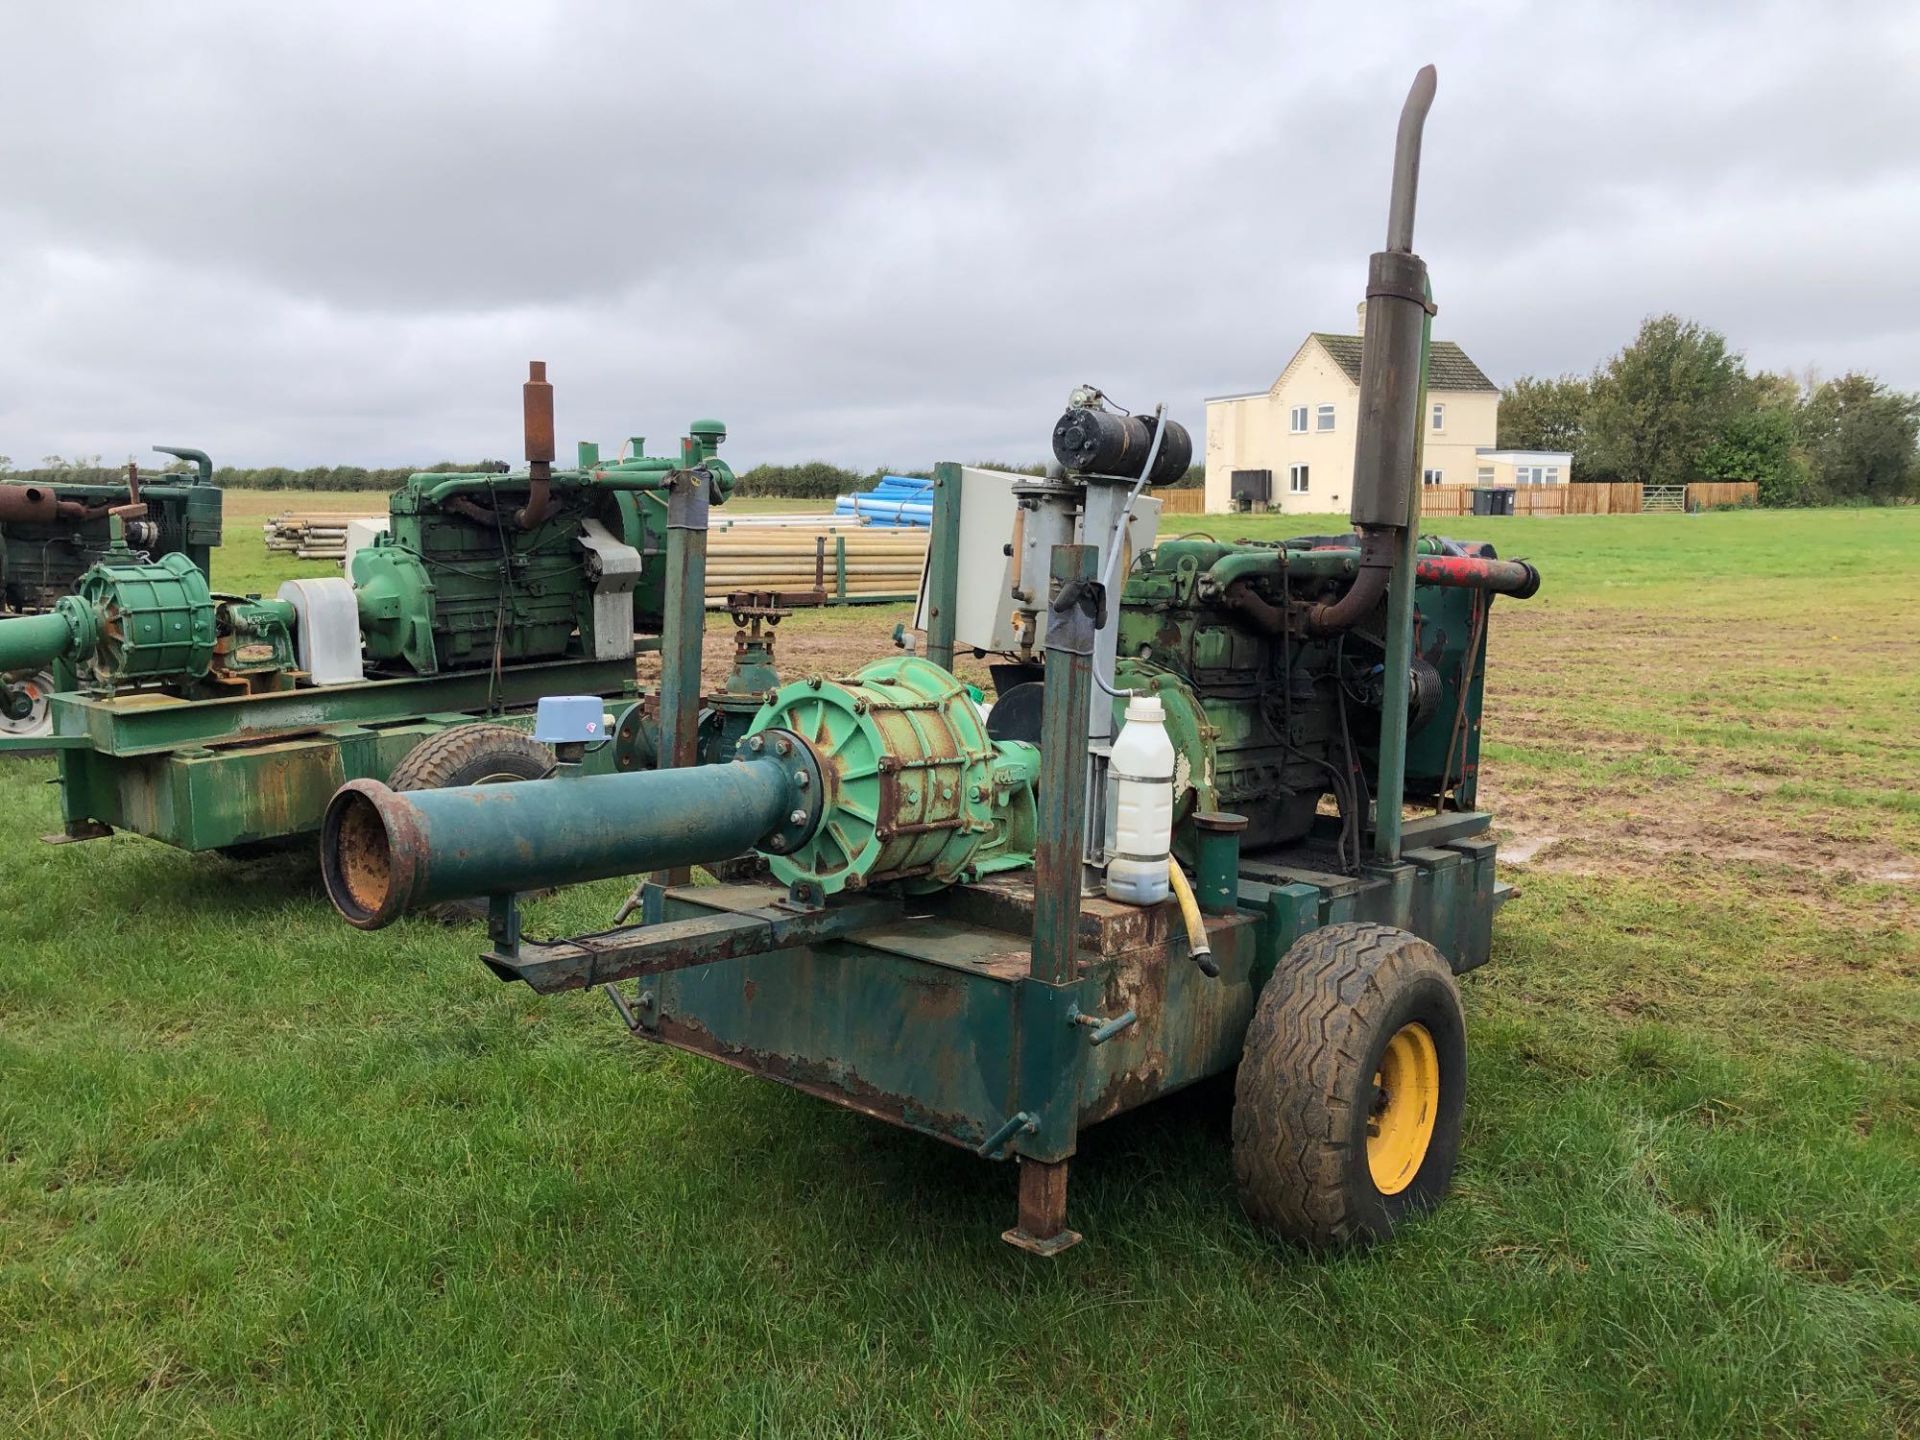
{"type": "Point", "coordinates": [795, 554]}
{"type": "Point", "coordinates": [319, 536]}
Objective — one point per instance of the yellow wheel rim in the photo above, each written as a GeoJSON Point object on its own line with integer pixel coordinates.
{"type": "Point", "coordinates": [1406, 1101]}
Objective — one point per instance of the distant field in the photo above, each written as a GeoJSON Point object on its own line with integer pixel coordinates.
{"type": "Point", "coordinates": [266, 1175]}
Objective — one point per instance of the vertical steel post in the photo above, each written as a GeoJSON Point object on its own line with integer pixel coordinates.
{"type": "Point", "coordinates": [943, 564]}
{"type": "Point", "coordinates": [1062, 802]}
{"type": "Point", "coordinates": [1048, 1058]}
{"type": "Point", "coordinates": [683, 633]}
{"type": "Point", "coordinates": [1105, 501]}
{"type": "Point", "coordinates": [1391, 783]}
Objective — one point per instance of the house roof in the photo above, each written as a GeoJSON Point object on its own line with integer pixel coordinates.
{"type": "Point", "coordinates": [1448, 367]}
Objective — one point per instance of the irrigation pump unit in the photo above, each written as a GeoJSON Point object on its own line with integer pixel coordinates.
{"type": "Point", "coordinates": [53, 532]}
{"type": "Point", "coordinates": [938, 944]}
{"type": "Point", "coordinates": [218, 722]}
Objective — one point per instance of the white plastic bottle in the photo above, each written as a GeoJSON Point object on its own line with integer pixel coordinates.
{"type": "Point", "coordinates": [1140, 805]}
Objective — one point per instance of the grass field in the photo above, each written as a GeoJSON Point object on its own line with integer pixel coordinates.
{"type": "Point", "coordinates": [265, 1175]}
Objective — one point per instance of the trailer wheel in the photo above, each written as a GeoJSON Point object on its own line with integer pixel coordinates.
{"type": "Point", "coordinates": [480, 753]}
{"type": "Point", "coordinates": [38, 720]}
{"type": "Point", "coordinates": [1346, 1116]}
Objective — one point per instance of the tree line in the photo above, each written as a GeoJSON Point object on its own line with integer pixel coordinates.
{"type": "Point", "coordinates": [88, 470]}
{"type": "Point", "coordinates": [1677, 405]}
{"type": "Point", "coordinates": [810, 480]}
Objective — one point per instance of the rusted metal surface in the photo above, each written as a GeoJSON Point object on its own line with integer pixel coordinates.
{"type": "Point", "coordinates": [1190, 1025]}
{"type": "Point", "coordinates": [631, 951]}
{"type": "Point", "coordinates": [38, 505]}
{"type": "Point", "coordinates": [824, 1080]}
{"type": "Point", "coordinates": [1042, 1226]}
{"type": "Point", "coordinates": [928, 1046]}
{"type": "Point", "coordinates": [537, 421]}
{"type": "Point", "coordinates": [1060, 845]}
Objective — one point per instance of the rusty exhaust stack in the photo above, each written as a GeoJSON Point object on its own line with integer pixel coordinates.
{"type": "Point", "coordinates": [537, 410]}
{"type": "Point", "coordinates": [1397, 308]}
{"type": "Point", "coordinates": [135, 508]}
{"type": "Point", "coordinates": [38, 505]}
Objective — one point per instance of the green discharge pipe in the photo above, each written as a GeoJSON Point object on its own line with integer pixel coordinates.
{"type": "Point", "coordinates": [30, 641]}
{"type": "Point", "coordinates": [384, 852]}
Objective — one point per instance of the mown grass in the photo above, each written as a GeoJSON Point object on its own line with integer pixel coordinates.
{"type": "Point", "coordinates": [261, 1174]}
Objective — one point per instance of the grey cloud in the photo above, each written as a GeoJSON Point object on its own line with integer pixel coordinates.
{"type": "Point", "coordinates": [335, 233]}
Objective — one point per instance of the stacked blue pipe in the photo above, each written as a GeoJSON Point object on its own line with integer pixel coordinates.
{"type": "Point", "coordinates": [896, 502]}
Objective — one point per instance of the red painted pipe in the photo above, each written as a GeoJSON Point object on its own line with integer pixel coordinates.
{"type": "Point", "coordinates": [1503, 577]}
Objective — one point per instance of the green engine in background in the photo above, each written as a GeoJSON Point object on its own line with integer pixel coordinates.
{"type": "Point", "coordinates": [210, 721]}
{"type": "Point", "coordinates": [455, 576]}
{"type": "Point", "coordinates": [42, 559]}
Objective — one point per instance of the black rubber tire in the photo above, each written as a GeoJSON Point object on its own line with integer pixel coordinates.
{"type": "Point", "coordinates": [469, 755]}
{"type": "Point", "coordinates": [1304, 1094]}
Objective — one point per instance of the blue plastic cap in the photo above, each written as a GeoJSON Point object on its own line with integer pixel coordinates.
{"type": "Point", "coordinates": [568, 719]}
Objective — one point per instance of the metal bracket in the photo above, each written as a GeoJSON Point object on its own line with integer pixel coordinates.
{"type": "Point", "coordinates": [625, 952]}
{"type": "Point", "coordinates": [1018, 1124]}
{"type": "Point", "coordinates": [803, 897]}
{"type": "Point", "coordinates": [687, 504]}
{"type": "Point", "coordinates": [1102, 1030]}
{"type": "Point", "coordinates": [503, 925]}
{"type": "Point", "coordinates": [614, 568]}
{"type": "Point", "coordinates": [648, 897]}
{"type": "Point", "coordinates": [1077, 613]}
{"type": "Point", "coordinates": [642, 1015]}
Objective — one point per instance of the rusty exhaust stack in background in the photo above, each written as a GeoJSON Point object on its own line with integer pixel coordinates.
{"type": "Point", "coordinates": [537, 405]}
{"type": "Point", "coordinates": [1397, 307]}
{"type": "Point", "coordinates": [38, 505]}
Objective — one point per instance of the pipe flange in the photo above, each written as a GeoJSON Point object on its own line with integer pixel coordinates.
{"type": "Point", "coordinates": [805, 788]}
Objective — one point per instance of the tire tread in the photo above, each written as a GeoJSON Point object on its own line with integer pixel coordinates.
{"type": "Point", "coordinates": [1308, 1034]}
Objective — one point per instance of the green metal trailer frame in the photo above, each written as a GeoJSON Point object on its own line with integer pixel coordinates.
{"type": "Point", "coordinates": [933, 1016]}
{"type": "Point", "coordinates": [215, 774]}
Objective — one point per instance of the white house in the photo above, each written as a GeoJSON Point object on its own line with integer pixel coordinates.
{"type": "Point", "coordinates": [1292, 444]}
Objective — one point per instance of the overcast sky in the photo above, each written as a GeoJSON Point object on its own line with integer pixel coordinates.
{"type": "Point", "coordinates": [893, 233]}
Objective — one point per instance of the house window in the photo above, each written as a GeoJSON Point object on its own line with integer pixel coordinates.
{"type": "Point", "coordinates": [1483, 475]}
{"type": "Point", "coordinates": [1323, 419]}
{"type": "Point", "coordinates": [1433, 477]}
{"type": "Point", "coordinates": [1536, 474]}
{"type": "Point", "coordinates": [1440, 417]}
{"type": "Point", "coordinates": [1297, 420]}
{"type": "Point", "coordinates": [1297, 479]}
{"type": "Point", "coordinates": [1553, 474]}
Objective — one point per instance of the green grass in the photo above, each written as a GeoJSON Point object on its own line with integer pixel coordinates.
{"type": "Point", "coordinates": [261, 1174]}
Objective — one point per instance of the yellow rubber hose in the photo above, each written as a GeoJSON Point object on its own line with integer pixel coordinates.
{"type": "Point", "coordinates": [1201, 952]}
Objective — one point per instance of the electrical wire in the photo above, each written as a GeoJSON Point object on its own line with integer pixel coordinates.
{"type": "Point", "coordinates": [1114, 541]}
